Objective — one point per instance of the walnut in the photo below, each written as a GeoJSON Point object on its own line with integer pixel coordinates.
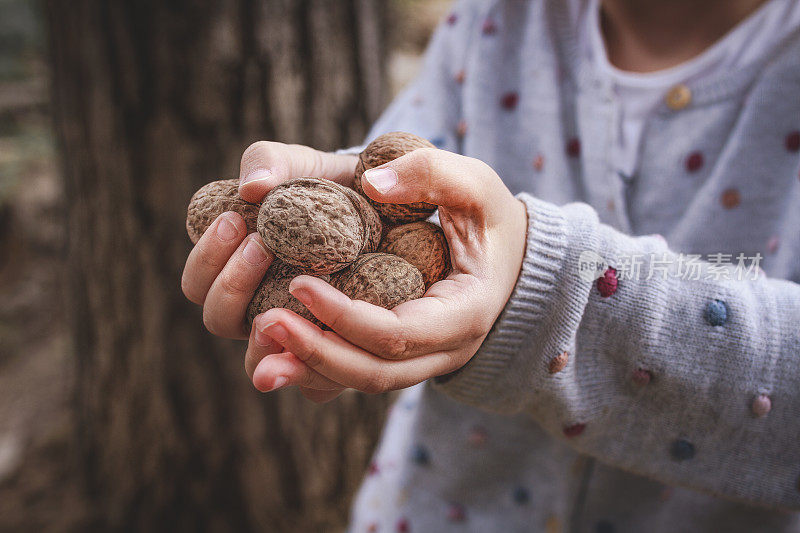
{"type": "Point", "coordinates": [274, 292]}
{"type": "Point", "coordinates": [380, 279]}
{"type": "Point", "coordinates": [386, 148]}
{"type": "Point", "coordinates": [423, 245]}
{"type": "Point", "coordinates": [317, 226]}
{"type": "Point", "coordinates": [211, 201]}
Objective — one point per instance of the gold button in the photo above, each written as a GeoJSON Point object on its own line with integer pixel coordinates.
{"type": "Point", "coordinates": [679, 97]}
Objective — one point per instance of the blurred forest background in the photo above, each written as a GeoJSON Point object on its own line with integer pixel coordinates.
{"type": "Point", "coordinates": [117, 411]}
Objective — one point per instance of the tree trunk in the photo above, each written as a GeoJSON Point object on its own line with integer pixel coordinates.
{"type": "Point", "coordinates": [151, 100]}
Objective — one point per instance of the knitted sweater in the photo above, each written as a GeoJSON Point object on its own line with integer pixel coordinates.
{"type": "Point", "coordinates": [637, 380]}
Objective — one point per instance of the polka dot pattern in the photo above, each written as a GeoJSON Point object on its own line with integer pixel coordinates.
{"type": "Point", "coordinates": [574, 147]}
{"type": "Point", "coordinates": [509, 101]}
{"type": "Point", "coordinates": [461, 129]}
{"type": "Point", "coordinates": [538, 162]}
{"type": "Point", "coordinates": [420, 455]}
{"type": "Point", "coordinates": [792, 141]}
{"type": "Point", "coordinates": [403, 526]}
{"type": "Point", "coordinates": [694, 162]}
{"type": "Point", "coordinates": [641, 377]}
{"type": "Point", "coordinates": [452, 18]}
{"type": "Point", "coordinates": [478, 437]}
{"type": "Point", "coordinates": [558, 363]}
{"type": "Point", "coordinates": [574, 430]}
{"type": "Point", "coordinates": [489, 27]}
{"type": "Point", "coordinates": [682, 450]}
{"type": "Point", "coordinates": [762, 404]}
{"type": "Point", "coordinates": [456, 513]}
{"type": "Point", "coordinates": [717, 313]}
{"type": "Point", "coordinates": [521, 496]}
{"type": "Point", "coordinates": [773, 244]}
{"type": "Point", "coordinates": [730, 198]}
{"type": "Point", "coordinates": [460, 76]}
{"type": "Point", "coordinates": [607, 285]}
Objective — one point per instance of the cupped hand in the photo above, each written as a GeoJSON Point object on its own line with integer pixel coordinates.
{"type": "Point", "coordinates": [373, 349]}
{"type": "Point", "coordinates": [226, 265]}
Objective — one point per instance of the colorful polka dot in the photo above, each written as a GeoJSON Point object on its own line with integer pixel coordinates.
{"type": "Point", "coordinates": [762, 404]}
{"type": "Point", "coordinates": [538, 162]}
{"type": "Point", "coordinates": [461, 129]}
{"type": "Point", "coordinates": [611, 205]}
{"type": "Point", "coordinates": [460, 76]}
{"type": "Point", "coordinates": [452, 18]}
{"type": "Point", "coordinates": [509, 101]}
{"type": "Point", "coordinates": [372, 528]}
{"type": "Point", "coordinates": [552, 524]}
{"type": "Point", "coordinates": [694, 162]}
{"type": "Point", "coordinates": [456, 513]}
{"type": "Point", "coordinates": [682, 450]}
{"type": "Point", "coordinates": [574, 430]}
{"type": "Point", "coordinates": [730, 198]}
{"type": "Point", "coordinates": [716, 313]}
{"type": "Point", "coordinates": [420, 455]}
{"type": "Point", "coordinates": [604, 526]}
{"type": "Point", "coordinates": [792, 141]}
{"type": "Point", "coordinates": [489, 27]}
{"type": "Point", "coordinates": [403, 526]}
{"type": "Point", "coordinates": [641, 377]}
{"type": "Point", "coordinates": [558, 363]}
{"type": "Point", "coordinates": [607, 285]}
{"type": "Point", "coordinates": [478, 437]}
{"type": "Point", "coordinates": [521, 496]}
{"type": "Point", "coordinates": [773, 244]}
{"type": "Point", "coordinates": [574, 147]}
{"type": "Point", "coordinates": [373, 469]}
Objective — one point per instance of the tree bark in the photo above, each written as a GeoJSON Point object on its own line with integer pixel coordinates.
{"type": "Point", "coordinates": [151, 100]}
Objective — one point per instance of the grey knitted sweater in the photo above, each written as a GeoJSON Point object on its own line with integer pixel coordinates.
{"type": "Point", "coordinates": [645, 374]}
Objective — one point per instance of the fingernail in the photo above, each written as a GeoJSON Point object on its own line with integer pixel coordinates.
{"type": "Point", "coordinates": [262, 339]}
{"type": "Point", "coordinates": [261, 174]}
{"type": "Point", "coordinates": [253, 253]}
{"type": "Point", "coordinates": [226, 230]}
{"type": "Point", "coordinates": [301, 294]}
{"type": "Point", "coordinates": [280, 381]}
{"type": "Point", "coordinates": [383, 179]}
{"type": "Point", "coordinates": [276, 331]}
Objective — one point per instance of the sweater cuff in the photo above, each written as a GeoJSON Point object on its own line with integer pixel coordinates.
{"type": "Point", "coordinates": [482, 381]}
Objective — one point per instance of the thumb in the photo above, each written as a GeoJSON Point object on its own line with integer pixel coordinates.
{"type": "Point", "coordinates": [433, 176]}
{"type": "Point", "coordinates": [266, 164]}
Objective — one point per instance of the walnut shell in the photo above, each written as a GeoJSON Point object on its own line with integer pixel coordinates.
{"type": "Point", "coordinates": [211, 201]}
{"type": "Point", "coordinates": [317, 226]}
{"type": "Point", "coordinates": [273, 291]}
{"type": "Point", "coordinates": [423, 245]}
{"type": "Point", "coordinates": [380, 279]}
{"type": "Point", "coordinates": [383, 149]}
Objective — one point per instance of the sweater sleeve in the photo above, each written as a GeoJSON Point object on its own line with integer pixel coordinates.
{"type": "Point", "coordinates": [667, 366]}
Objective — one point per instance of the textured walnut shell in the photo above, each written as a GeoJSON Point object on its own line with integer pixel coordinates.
{"type": "Point", "coordinates": [380, 279]}
{"type": "Point", "coordinates": [317, 226]}
{"type": "Point", "coordinates": [211, 201]}
{"type": "Point", "coordinates": [383, 149]}
{"type": "Point", "coordinates": [274, 292]}
{"type": "Point", "coordinates": [423, 245]}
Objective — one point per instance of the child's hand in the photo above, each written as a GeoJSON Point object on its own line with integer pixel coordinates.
{"type": "Point", "coordinates": [372, 349]}
{"type": "Point", "coordinates": [226, 265]}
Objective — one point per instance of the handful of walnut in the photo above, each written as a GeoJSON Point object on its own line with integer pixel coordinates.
{"type": "Point", "coordinates": [384, 254]}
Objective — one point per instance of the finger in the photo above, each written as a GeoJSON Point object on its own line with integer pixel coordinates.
{"type": "Point", "coordinates": [230, 293]}
{"type": "Point", "coordinates": [210, 254]}
{"type": "Point", "coordinates": [320, 396]}
{"type": "Point", "coordinates": [285, 369]}
{"type": "Point", "coordinates": [434, 176]}
{"type": "Point", "coordinates": [266, 164]}
{"type": "Point", "coordinates": [410, 329]}
{"type": "Point", "coordinates": [258, 347]}
{"type": "Point", "coordinates": [347, 364]}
